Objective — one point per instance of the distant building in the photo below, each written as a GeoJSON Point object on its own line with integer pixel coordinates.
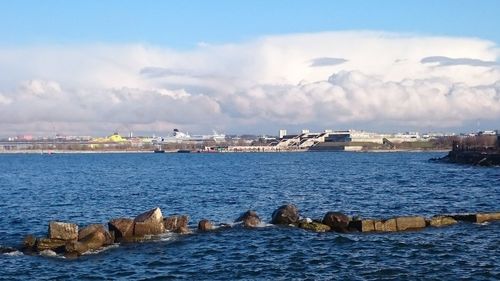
{"type": "Point", "coordinates": [282, 133]}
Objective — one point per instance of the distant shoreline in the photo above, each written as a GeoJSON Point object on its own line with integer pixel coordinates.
{"type": "Point", "coordinates": [49, 152]}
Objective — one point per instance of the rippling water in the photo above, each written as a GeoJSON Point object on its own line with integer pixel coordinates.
{"type": "Point", "coordinates": [92, 188]}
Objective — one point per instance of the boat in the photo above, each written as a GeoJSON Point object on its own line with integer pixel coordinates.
{"type": "Point", "coordinates": [183, 151]}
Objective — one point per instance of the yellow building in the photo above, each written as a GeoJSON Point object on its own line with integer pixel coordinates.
{"type": "Point", "coordinates": [115, 138]}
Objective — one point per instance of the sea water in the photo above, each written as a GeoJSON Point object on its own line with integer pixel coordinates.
{"type": "Point", "coordinates": [93, 188]}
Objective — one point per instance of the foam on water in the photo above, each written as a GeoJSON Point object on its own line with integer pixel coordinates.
{"type": "Point", "coordinates": [103, 249]}
{"type": "Point", "coordinates": [50, 253]}
{"type": "Point", "coordinates": [14, 254]}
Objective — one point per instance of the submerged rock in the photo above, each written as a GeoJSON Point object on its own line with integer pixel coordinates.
{"type": "Point", "coordinates": [313, 226]}
{"type": "Point", "coordinates": [183, 230]}
{"type": "Point", "coordinates": [123, 228]}
{"type": "Point", "coordinates": [249, 219]}
{"type": "Point", "coordinates": [205, 225]}
{"type": "Point", "coordinates": [63, 231]}
{"type": "Point", "coordinates": [438, 221]}
{"type": "Point", "coordinates": [172, 223]}
{"type": "Point", "coordinates": [337, 221]}
{"type": "Point", "coordinates": [7, 250]}
{"type": "Point", "coordinates": [286, 214]}
{"type": "Point", "coordinates": [149, 223]}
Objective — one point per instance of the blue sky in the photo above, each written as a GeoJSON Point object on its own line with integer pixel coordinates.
{"type": "Point", "coordinates": [95, 66]}
{"type": "Point", "coordinates": [182, 24]}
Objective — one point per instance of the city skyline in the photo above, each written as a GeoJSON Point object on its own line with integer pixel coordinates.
{"type": "Point", "coordinates": [94, 67]}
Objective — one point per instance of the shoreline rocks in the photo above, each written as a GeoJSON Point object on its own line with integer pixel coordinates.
{"type": "Point", "coordinates": [66, 238]}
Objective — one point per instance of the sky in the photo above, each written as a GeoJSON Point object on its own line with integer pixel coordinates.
{"type": "Point", "coordinates": [94, 67]}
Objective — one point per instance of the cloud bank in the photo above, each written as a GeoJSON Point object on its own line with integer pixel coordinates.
{"type": "Point", "coordinates": [332, 80]}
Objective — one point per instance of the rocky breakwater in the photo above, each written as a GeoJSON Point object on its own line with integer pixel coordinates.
{"type": "Point", "coordinates": [338, 222]}
{"type": "Point", "coordinates": [71, 241]}
{"type": "Point", "coordinates": [67, 239]}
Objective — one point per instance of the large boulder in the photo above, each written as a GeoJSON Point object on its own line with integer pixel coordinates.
{"type": "Point", "coordinates": [63, 231]}
{"type": "Point", "coordinates": [172, 223]}
{"type": "Point", "coordinates": [92, 229]}
{"type": "Point", "coordinates": [389, 225]}
{"type": "Point", "coordinates": [484, 217]}
{"type": "Point", "coordinates": [438, 221]}
{"type": "Point", "coordinates": [149, 223]}
{"type": "Point", "coordinates": [410, 223]}
{"type": "Point", "coordinates": [56, 245]}
{"type": "Point", "coordinates": [205, 225]}
{"type": "Point", "coordinates": [90, 238]}
{"type": "Point", "coordinates": [249, 219]}
{"type": "Point", "coordinates": [337, 221]}
{"type": "Point", "coordinates": [286, 214]}
{"type": "Point", "coordinates": [123, 228]}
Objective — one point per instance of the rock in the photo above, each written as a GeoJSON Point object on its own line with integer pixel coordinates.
{"type": "Point", "coordinates": [174, 222]}
{"type": "Point", "coordinates": [6, 250]}
{"type": "Point", "coordinates": [313, 226]}
{"type": "Point", "coordinates": [63, 231]}
{"type": "Point", "coordinates": [183, 230]}
{"type": "Point", "coordinates": [484, 217]}
{"type": "Point", "coordinates": [477, 218]}
{"type": "Point", "coordinates": [286, 214]}
{"type": "Point", "coordinates": [409, 223]}
{"type": "Point", "coordinates": [438, 221]}
{"type": "Point", "coordinates": [249, 219]}
{"type": "Point", "coordinates": [145, 228]}
{"type": "Point", "coordinates": [205, 225]}
{"type": "Point", "coordinates": [96, 237]}
{"type": "Point", "coordinates": [29, 242]}
{"type": "Point", "coordinates": [337, 221]}
{"type": "Point", "coordinates": [55, 245]}
{"type": "Point", "coordinates": [151, 216]}
{"type": "Point", "coordinates": [123, 228]}
{"type": "Point", "coordinates": [362, 225]}
{"type": "Point", "coordinates": [465, 217]}
{"type": "Point", "coordinates": [386, 225]}
{"type": "Point", "coordinates": [88, 231]}
{"type": "Point", "coordinates": [149, 223]}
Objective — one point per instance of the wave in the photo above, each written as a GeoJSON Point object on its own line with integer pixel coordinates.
{"type": "Point", "coordinates": [14, 254]}
{"type": "Point", "coordinates": [93, 252]}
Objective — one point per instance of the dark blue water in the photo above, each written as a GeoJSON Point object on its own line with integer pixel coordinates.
{"type": "Point", "coordinates": [93, 188]}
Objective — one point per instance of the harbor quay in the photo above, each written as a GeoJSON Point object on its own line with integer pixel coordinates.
{"type": "Point", "coordinates": [328, 140]}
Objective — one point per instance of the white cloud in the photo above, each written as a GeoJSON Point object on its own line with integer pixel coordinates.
{"type": "Point", "coordinates": [337, 80]}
